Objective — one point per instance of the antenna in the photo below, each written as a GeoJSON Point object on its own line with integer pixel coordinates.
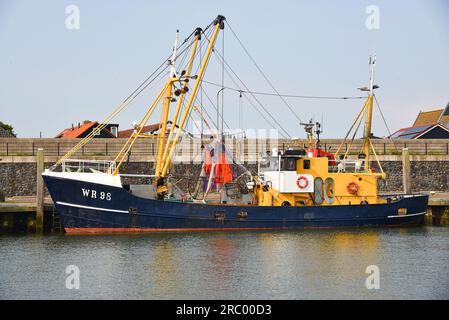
{"type": "Point", "coordinates": [372, 86]}
{"type": "Point", "coordinates": [172, 61]}
{"type": "Point", "coordinates": [322, 122]}
{"type": "Point", "coordinates": [369, 112]}
{"type": "Point", "coordinates": [372, 62]}
{"type": "Point", "coordinates": [308, 127]}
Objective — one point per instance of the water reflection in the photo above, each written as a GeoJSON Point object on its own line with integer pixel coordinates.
{"type": "Point", "coordinates": [235, 265]}
{"type": "Point", "coordinates": [162, 268]}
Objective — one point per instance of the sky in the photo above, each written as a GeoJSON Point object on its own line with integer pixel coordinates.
{"type": "Point", "coordinates": [52, 76]}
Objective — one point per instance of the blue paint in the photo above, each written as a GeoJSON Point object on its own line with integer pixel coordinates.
{"type": "Point", "coordinates": [130, 211]}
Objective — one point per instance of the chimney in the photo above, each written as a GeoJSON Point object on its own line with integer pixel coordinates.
{"type": "Point", "coordinates": [79, 124]}
{"type": "Point", "coordinates": [72, 126]}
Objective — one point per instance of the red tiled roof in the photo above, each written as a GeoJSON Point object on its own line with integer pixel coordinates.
{"type": "Point", "coordinates": [146, 130]}
{"type": "Point", "coordinates": [76, 132]}
{"type": "Point", "coordinates": [401, 130]}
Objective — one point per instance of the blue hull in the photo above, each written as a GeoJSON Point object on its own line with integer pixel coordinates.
{"type": "Point", "coordinates": [114, 209]}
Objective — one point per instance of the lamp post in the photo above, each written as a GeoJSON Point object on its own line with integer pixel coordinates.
{"type": "Point", "coordinates": [218, 112]}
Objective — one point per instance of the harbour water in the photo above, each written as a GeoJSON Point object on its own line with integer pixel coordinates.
{"type": "Point", "coordinates": [328, 264]}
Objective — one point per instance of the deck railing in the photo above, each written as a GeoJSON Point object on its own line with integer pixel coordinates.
{"type": "Point", "coordinates": [81, 165]}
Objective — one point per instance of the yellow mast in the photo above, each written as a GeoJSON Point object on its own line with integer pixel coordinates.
{"type": "Point", "coordinates": [163, 125]}
{"type": "Point", "coordinates": [161, 185]}
{"type": "Point", "coordinates": [130, 142]}
{"type": "Point", "coordinates": [186, 76]}
{"type": "Point", "coordinates": [369, 116]}
{"type": "Point", "coordinates": [166, 106]}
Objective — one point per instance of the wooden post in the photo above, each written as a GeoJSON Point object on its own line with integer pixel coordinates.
{"type": "Point", "coordinates": [39, 191]}
{"type": "Point", "coordinates": [406, 176]}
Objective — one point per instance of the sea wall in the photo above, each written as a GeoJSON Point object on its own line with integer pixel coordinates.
{"type": "Point", "coordinates": [428, 173]}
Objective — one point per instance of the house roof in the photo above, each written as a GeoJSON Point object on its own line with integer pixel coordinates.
{"type": "Point", "coordinates": [444, 117]}
{"type": "Point", "coordinates": [76, 132]}
{"type": "Point", "coordinates": [150, 129]}
{"type": "Point", "coordinates": [428, 117]}
{"type": "Point", "coordinates": [146, 130]}
{"type": "Point", "coordinates": [434, 116]}
{"type": "Point", "coordinates": [5, 134]}
{"type": "Point", "coordinates": [416, 131]}
{"type": "Point", "coordinates": [431, 128]}
{"type": "Point", "coordinates": [409, 132]}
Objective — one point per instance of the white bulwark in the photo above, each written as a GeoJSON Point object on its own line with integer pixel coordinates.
{"type": "Point", "coordinates": [289, 181]}
{"type": "Point", "coordinates": [93, 177]}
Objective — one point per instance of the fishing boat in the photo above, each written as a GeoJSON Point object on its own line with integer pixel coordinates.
{"type": "Point", "coordinates": [298, 188]}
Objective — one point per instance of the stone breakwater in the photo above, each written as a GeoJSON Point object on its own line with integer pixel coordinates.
{"type": "Point", "coordinates": [19, 178]}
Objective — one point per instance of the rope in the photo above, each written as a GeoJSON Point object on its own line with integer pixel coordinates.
{"type": "Point", "coordinates": [222, 79]}
{"type": "Point", "coordinates": [289, 95]}
{"type": "Point", "coordinates": [355, 133]}
{"type": "Point", "coordinates": [217, 54]}
{"type": "Point", "coordinates": [352, 126]}
{"type": "Point", "coordinates": [262, 73]}
{"type": "Point", "coordinates": [150, 79]}
{"type": "Point", "coordinates": [385, 122]}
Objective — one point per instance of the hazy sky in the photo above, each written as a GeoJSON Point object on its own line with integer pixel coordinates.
{"type": "Point", "coordinates": [51, 76]}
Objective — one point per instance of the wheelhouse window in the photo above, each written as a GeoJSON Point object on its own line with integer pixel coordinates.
{"type": "Point", "coordinates": [306, 164]}
{"type": "Point", "coordinates": [269, 164]}
{"type": "Point", "coordinates": [114, 131]}
{"type": "Point", "coordinates": [288, 164]}
{"type": "Point", "coordinates": [291, 164]}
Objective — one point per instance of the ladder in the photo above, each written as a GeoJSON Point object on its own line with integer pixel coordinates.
{"type": "Point", "coordinates": [56, 227]}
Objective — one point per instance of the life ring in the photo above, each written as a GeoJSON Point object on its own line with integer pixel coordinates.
{"type": "Point", "coordinates": [353, 188]}
{"type": "Point", "coordinates": [302, 182]}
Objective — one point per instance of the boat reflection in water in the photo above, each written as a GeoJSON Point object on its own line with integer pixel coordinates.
{"type": "Point", "coordinates": [221, 262]}
{"type": "Point", "coordinates": [318, 264]}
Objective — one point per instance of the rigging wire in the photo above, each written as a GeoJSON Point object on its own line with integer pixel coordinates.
{"type": "Point", "coordinates": [143, 85]}
{"type": "Point", "coordinates": [201, 95]}
{"type": "Point", "coordinates": [131, 97]}
{"type": "Point", "coordinates": [181, 53]}
{"type": "Point", "coordinates": [288, 95]}
{"type": "Point", "coordinates": [240, 111]}
{"type": "Point", "coordinates": [196, 72]}
{"type": "Point", "coordinates": [216, 108]}
{"type": "Point", "coordinates": [262, 73]}
{"type": "Point", "coordinates": [217, 54]}
{"type": "Point", "coordinates": [385, 122]}
{"type": "Point", "coordinates": [381, 113]}
{"type": "Point", "coordinates": [222, 79]}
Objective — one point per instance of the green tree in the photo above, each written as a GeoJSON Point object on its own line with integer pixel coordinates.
{"type": "Point", "coordinates": [8, 128]}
